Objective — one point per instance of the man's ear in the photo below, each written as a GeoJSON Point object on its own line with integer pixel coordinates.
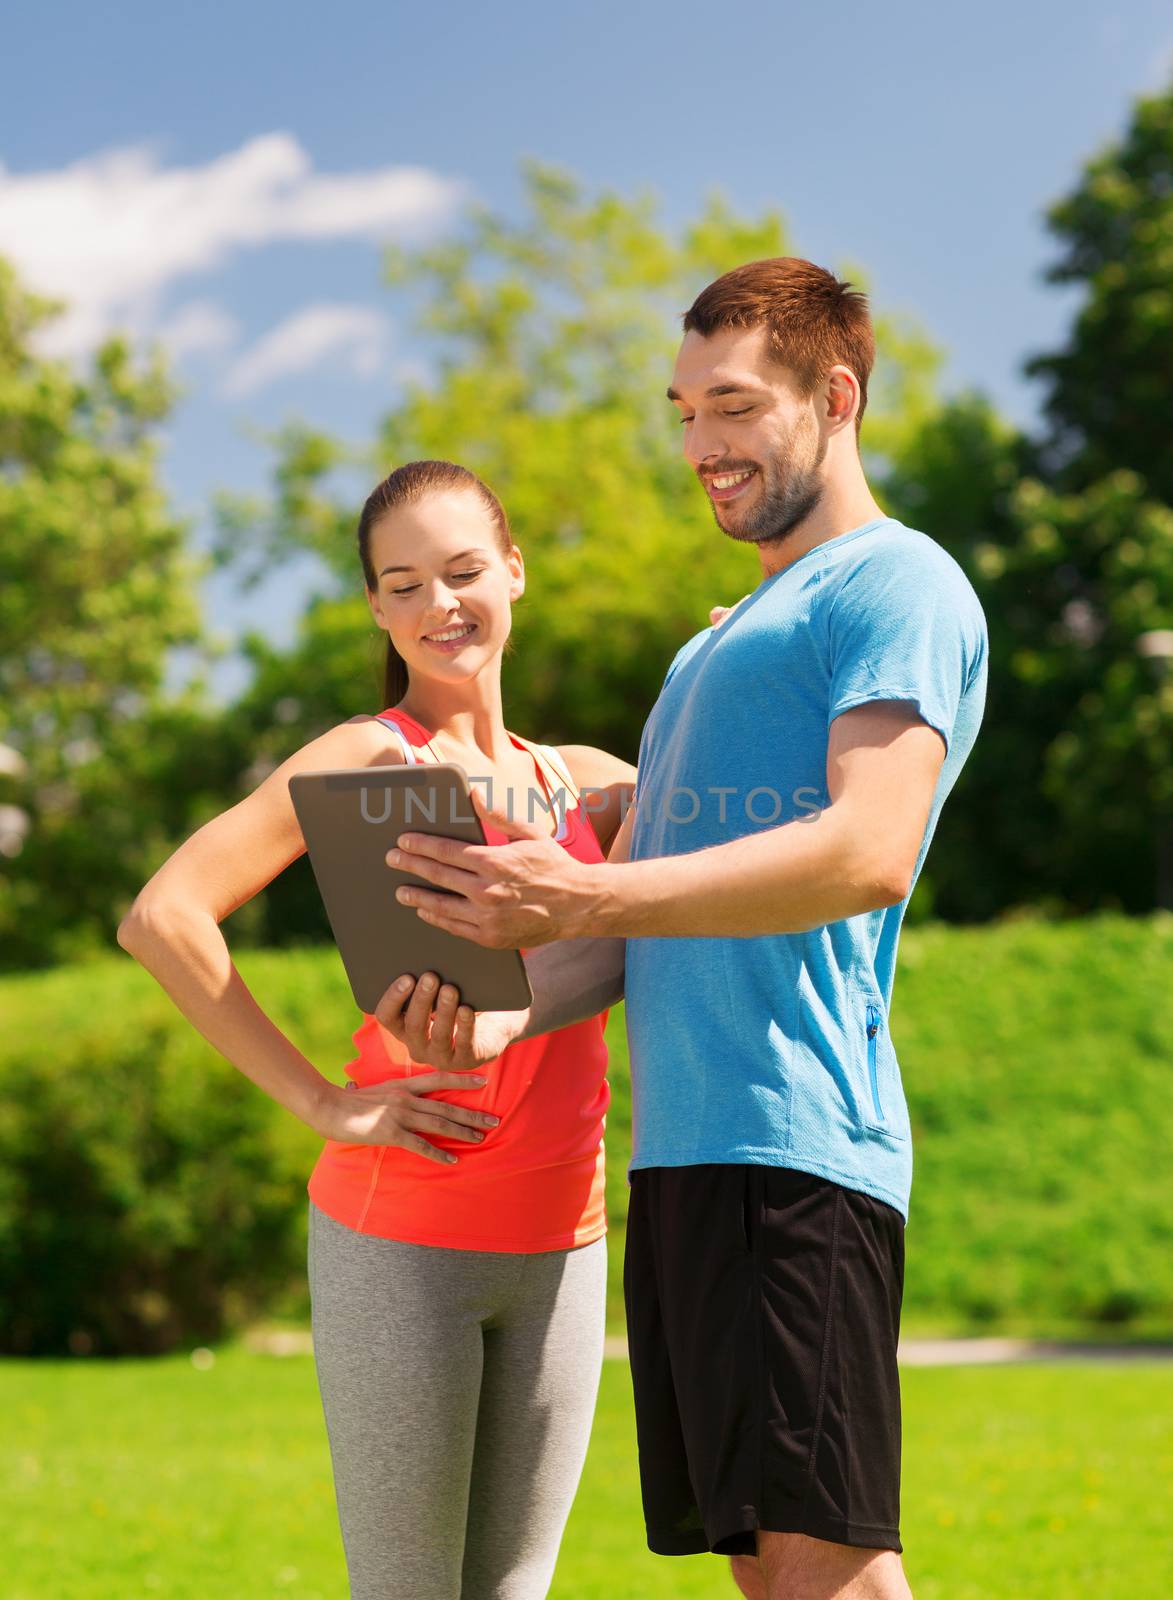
{"type": "Point", "coordinates": [842, 396]}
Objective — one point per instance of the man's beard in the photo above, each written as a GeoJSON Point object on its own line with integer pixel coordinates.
{"type": "Point", "coordinates": [785, 501]}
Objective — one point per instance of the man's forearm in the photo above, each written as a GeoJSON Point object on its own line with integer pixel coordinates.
{"type": "Point", "coordinates": [573, 979]}
{"type": "Point", "coordinates": [784, 880]}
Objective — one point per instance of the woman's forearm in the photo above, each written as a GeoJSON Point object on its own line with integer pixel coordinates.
{"type": "Point", "coordinates": [185, 952]}
{"type": "Point", "coordinates": [573, 979]}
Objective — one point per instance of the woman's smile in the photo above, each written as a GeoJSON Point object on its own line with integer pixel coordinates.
{"type": "Point", "coordinates": [450, 639]}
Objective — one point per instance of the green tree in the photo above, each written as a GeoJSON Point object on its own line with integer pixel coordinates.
{"type": "Point", "coordinates": [954, 477]}
{"type": "Point", "coordinates": [1068, 538]}
{"type": "Point", "coordinates": [1107, 389]}
{"type": "Point", "coordinates": [551, 340]}
{"type": "Point", "coordinates": [1071, 777]}
{"type": "Point", "coordinates": [1100, 568]}
{"type": "Point", "coordinates": [1112, 472]}
{"type": "Point", "coordinates": [96, 584]}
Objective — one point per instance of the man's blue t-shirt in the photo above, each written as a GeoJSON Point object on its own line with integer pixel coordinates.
{"type": "Point", "coordinates": [776, 1048]}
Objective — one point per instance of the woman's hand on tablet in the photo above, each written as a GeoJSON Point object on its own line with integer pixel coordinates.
{"type": "Point", "coordinates": [399, 1113]}
{"type": "Point", "coordinates": [439, 1032]}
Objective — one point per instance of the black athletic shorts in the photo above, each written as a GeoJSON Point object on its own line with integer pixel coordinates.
{"type": "Point", "coordinates": [763, 1310]}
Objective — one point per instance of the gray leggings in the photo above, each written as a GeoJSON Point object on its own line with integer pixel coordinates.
{"type": "Point", "coordinates": [458, 1388]}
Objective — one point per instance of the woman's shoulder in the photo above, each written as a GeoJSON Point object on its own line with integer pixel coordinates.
{"type": "Point", "coordinates": [605, 784]}
{"type": "Point", "coordinates": [592, 768]}
{"type": "Point", "coordinates": [360, 741]}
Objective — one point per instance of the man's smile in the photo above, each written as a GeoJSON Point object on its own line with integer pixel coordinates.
{"type": "Point", "coordinates": [728, 485]}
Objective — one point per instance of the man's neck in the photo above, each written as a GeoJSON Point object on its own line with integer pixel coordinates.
{"type": "Point", "coordinates": [834, 515]}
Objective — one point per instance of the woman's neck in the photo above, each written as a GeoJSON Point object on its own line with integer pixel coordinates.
{"type": "Point", "coordinates": [467, 716]}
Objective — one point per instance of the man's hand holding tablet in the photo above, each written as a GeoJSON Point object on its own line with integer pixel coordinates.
{"type": "Point", "coordinates": [518, 895]}
{"type": "Point", "coordinates": [571, 978]}
{"type": "Point", "coordinates": [427, 1017]}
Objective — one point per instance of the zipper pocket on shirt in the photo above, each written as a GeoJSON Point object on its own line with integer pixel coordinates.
{"type": "Point", "coordinates": [873, 1029]}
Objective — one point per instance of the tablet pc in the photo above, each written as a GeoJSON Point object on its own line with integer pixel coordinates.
{"type": "Point", "coordinates": [350, 818]}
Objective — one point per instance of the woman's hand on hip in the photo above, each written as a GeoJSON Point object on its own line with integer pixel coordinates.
{"type": "Point", "coordinates": [400, 1112]}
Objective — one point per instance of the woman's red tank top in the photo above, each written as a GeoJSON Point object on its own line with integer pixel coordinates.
{"type": "Point", "coordinates": [536, 1181]}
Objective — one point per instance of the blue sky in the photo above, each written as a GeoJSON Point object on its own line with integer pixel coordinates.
{"type": "Point", "coordinates": [222, 177]}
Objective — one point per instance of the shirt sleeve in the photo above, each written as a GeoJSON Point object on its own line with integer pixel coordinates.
{"type": "Point", "coordinates": [905, 625]}
{"type": "Point", "coordinates": [685, 650]}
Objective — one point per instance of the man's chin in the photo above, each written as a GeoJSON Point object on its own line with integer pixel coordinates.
{"type": "Point", "coordinates": [771, 524]}
{"type": "Point", "coordinates": [735, 527]}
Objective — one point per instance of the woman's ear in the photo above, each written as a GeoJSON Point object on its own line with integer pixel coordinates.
{"type": "Point", "coordinates": [517, 571]}
{"type": "Point", "coordinates": [376, 608]}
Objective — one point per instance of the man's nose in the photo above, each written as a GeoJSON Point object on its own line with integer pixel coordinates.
{"type": "Point", "coordinates": [702, 443]}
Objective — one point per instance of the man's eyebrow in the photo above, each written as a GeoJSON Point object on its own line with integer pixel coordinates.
{"type": "Point", "coordinates": [718, 389]}
{"type": "Point", "coordinates": [459, 556]}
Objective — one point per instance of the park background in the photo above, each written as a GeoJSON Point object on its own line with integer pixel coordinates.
{"type": "Point", "coordinates": [247, 264]}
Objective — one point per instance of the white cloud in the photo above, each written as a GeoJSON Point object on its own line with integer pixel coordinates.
{"type": "Point", "coordinates": [200, 326]}
{"type": "Point", "coordinates": [111, 232]}
{"type": "Point", "coordinates": [353, 338]}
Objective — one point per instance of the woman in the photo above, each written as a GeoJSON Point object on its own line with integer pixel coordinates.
{"type": "Point", "coordinates": [457, 1258]}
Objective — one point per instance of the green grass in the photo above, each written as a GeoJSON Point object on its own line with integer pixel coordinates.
{"type": "Point", "coordinates": [134, 1478]}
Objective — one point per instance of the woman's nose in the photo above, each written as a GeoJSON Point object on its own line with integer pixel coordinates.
{"type": "Point", "coordinates": [441, 601]}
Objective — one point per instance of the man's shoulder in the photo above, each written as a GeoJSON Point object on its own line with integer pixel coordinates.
{"type": "Point", "coordinates": [897, 558]}
{"type": "Point", "coordinates": [688, 648]}
{"type": "Point", "coordinates": [899, 547]}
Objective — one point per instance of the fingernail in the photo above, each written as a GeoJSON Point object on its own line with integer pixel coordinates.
{"type": "Point", "coordinates": [478, 1081]}
{"type": "Point", "coordinates": [492, 1121]}
{"type": "Point", "coordinates": [393, 858]}
{"type": "Point", "coordinates": [406, 841]}
{"type": "Point", "coordinates": [404, 983]}
{"type": "Point", "coordinates": [448, 1156]}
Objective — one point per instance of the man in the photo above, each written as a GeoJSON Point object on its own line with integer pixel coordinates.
{"type": "Point", "coordinates": [790, 778]}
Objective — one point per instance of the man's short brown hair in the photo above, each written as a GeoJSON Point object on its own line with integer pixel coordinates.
{"type": "Point", "coordinates": [815, 321]}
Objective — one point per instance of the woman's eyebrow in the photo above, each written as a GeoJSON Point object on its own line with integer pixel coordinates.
{"type": "Point", "coordinates": [476, 550]}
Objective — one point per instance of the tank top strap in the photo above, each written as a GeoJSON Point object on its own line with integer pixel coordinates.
{"type": "Point", "coordinates": [409, 753]}
{"type": "Point", "coordinates": [554, 767]}
{"type": "Point", "coordinates": [557, 773]}
{"type": "Point", "coordinates": [554, 756]}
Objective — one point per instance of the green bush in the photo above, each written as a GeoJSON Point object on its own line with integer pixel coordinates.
{"type": "Point", "coordinates": [1036, 1059]}
{"type": "Point", "coordinates": [151, 1196]}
